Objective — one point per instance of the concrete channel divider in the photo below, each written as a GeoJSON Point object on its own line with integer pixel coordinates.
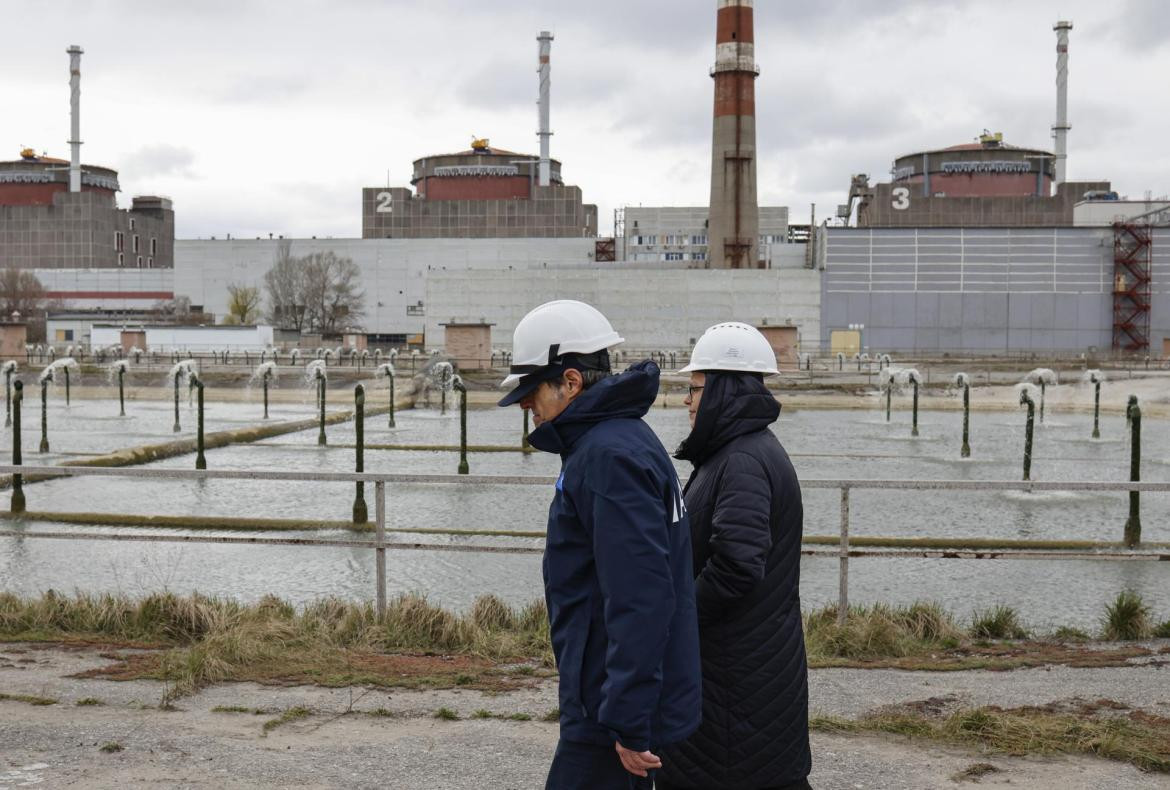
{"type": "Point", "coordinates": [148, 453]}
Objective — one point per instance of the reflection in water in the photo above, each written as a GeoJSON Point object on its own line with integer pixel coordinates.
{"type": "Point", "coordinates": [823, 444]}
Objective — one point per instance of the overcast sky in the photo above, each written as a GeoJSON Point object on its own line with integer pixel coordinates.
{"type": "Point", "coordinates": [259, 116]}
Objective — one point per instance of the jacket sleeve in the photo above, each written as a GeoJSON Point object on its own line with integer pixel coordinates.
{"type": "Point", "coordinates": [631, 547]}
{"type": "Point", "coordinates": [741, 537]}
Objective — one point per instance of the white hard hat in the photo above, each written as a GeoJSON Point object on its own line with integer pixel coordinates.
{"type": "Point", "coordinates": [549, 332]}
{"type": "Point", "coordinates": [733, 346]}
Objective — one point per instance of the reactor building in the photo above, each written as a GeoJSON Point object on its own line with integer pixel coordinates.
{"type": "Point", "coordinates": [61, 214]}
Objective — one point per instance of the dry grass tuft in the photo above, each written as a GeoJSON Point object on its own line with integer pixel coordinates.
{"type": "Point", "coordinates": [998, 622]}
{"type": "Point", "coordinates": [1127, 618]}
{"type": "Point", "coordinates": [1136, 738]}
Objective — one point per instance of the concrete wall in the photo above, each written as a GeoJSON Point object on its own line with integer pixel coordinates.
{"type": "Point", "coordinates": [81, 231]}
{"type": "Point", "coordinates": [393, 271]}
{"type": "Point", "coordinates": [981, 290]}
{"type": "Point", "coordinates": [1106, 212]}
{"type": "Point", "coordinates": [651, 307]}
{"type": "Point", "coordinates": [896, 206]}
{"type": "Point", "coordinates": [552, 211]}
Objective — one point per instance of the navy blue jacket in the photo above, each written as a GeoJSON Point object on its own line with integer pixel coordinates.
{"type": "Point", "coordinates": [617, 572]}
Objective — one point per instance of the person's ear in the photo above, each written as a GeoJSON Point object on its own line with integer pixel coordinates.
{"type": "Point", "coordinates": [575, 381]}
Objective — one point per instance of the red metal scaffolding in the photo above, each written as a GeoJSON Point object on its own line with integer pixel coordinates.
{"type": "Point", "coordinates": [1131, 286]}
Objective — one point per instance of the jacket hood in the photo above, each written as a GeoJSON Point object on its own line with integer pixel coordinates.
{"type": "Point", "coordinates": [733, 404]}
{"type": "Point", "coordinates": [628, 395]}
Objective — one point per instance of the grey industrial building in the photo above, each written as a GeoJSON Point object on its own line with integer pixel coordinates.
{"type": "Point", "coordinates": [983, 290]}
{"type": "Point", "coordinates": [681, 233]}
{"type": "Point", "coordinates": [43, 225]}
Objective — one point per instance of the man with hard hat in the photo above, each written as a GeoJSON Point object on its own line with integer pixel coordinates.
{"type": "Point", "coordinates": [746, 521]}
{"type": "Point", "coordinates": [617, 560]}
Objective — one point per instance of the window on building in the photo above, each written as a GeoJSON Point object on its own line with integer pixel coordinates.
{"type": "Point", "coordinates": [674, 256]}
{"type": "Point", "coordinates": [132, 223]}
{"type": "Point", "coordinates": [121, 259]}
{"type": "Point", "coordinates": [154, 246]}
{"type": "Point", "coordinates": [150, 263]}
{"type": "Point", "coordinates": [134, 243]}
{"type": "Point", "coordinates": [119, 241]}
{"type": "Point", "coordinates": [64, 335]}
{"type": "Point", "coordinates": [139, 261]}
{"type": "Point", "coordinates": [699, 256]}
{"type": "Point", "coordinates": [699, 239]}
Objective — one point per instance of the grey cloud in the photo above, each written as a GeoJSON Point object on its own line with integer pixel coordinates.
{"type": "Point", "coordinates": [262, 88]}
{"type": "Point", "coordinates": [160, 160]}
{"type": "Point", "coordinates": [1143, 24]}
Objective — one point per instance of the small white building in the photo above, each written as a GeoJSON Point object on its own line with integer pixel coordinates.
{"type": "Point", "coordinates": [167, 338]}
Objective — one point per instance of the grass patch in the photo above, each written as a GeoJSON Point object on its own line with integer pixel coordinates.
{"type": "Point", "coordinates": [28, 699]}
{"type": "Point", "coordinates": [109, 747]}
{"type": "Point", "coordinates": [290, 715]}
{"type": "Point", "coordinates": [1162, 630]}
{"type": "Point", "coordinates": [446, 714]}
{"type": "Point", "coordinates": [483, 714]}
{"type": "Point", "coordinates": [998, 622]}
{"type": "Point", "coordinates": [237, 709]}
{"type": "Point", "coordinates": [1067, 633]}
{"type": "Point", "coordinates": [89, 701]}
{"type": "Point", "coordinates": [1137, 738]}
{"type": "Point", "coordinates": [880, 631]}
{"type": "Point", "coordinates": [553, 716]}
{"type": "Point", "coordinates": [1127, 618]}
{"type": "Point", "coordinates": [330, 642]}
{"type": "Point", "coordinates": [519, 717]}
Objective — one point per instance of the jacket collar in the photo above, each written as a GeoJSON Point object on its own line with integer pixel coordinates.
{"type": "Point", "coordinates": [628, 395]}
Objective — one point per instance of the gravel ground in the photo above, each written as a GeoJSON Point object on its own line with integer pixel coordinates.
{"type": "Point", "coordinates": [338, 746]}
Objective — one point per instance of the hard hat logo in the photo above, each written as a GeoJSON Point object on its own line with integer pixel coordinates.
{"type": "Point", "coordinates": [552, 334]}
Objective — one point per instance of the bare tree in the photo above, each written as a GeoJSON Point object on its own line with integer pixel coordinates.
{"type": "Point", "coordinates": [333, 293]}
{"type": "Point", "coordinates": [243, 305]}
{"type": "Point", "coordinates": [20, 291]}
{"type": "Point", "coordinates": [285, 284]}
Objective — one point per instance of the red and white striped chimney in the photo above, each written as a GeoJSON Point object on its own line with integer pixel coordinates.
{"type": "Point", "coordinates": [734, 219]}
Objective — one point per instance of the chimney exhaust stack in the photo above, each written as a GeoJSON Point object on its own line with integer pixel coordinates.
{"type": "Point", "coordinates": [734, 220]}
{"type": "Point", "coordinates": [75, 117]}
{"type": "Point", "coordinates": [1061, 127]}
{"type": "Point", "coordinates": [545, 38]}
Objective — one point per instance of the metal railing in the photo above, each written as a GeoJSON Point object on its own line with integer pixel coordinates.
{"type": "Point", "coordinates": [891, 547]}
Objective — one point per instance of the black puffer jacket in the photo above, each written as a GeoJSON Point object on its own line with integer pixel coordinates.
{"type": "Point", "coordinates": [746, 522]}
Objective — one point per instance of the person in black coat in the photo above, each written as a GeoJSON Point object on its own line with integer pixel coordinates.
{"type": "Point", "coordinates": [744, 504]}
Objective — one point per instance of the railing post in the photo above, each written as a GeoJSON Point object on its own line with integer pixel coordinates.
{"type": "Point", "coordinates": [121, 391]}
{"type": "Point", "coordinates": [463, 467]}
{"type": "Point", "coordinates": [7, 395]}
{"type": "Point", "coordinates": [321, 401]}
{"type": "Point", "coordinates": [44, 415]}
{"type": "Point", "coordinates": [200, 460]}
{"type": "Point", "coordinates": [1133, 525]}
{"type": "Point", "coordinates": [361, 514]}
{"type": "Point", "coordinates": [267, 376]}
{"type": "Point", "coordinates": [843, 554]}
{"type": "Point", "coordinates": [390, 375]}
{"type": "Point", "coordinates": [1096, 407]}
{"type": "Point", "coordinates": [965, 452]}
{"type": "Point", "coordinates": [380, 537]}
{"type": "Point", "coordinates": [914, 425]}
{"type": "Point", "coordinates": [17, 505]}
{"type": "Point", "coordinates": [178, 374]}
{"type": "Point", "coordinates": [1026, 400]}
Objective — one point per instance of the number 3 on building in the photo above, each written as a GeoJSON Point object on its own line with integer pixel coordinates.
{"type": "Point", "coordinates": [385, 204]}
{"type": "Point", "coordinates": [901, 200]}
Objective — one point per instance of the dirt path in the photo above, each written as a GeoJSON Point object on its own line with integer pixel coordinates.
{"type": "Point", "coordinates": [356, 738]}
